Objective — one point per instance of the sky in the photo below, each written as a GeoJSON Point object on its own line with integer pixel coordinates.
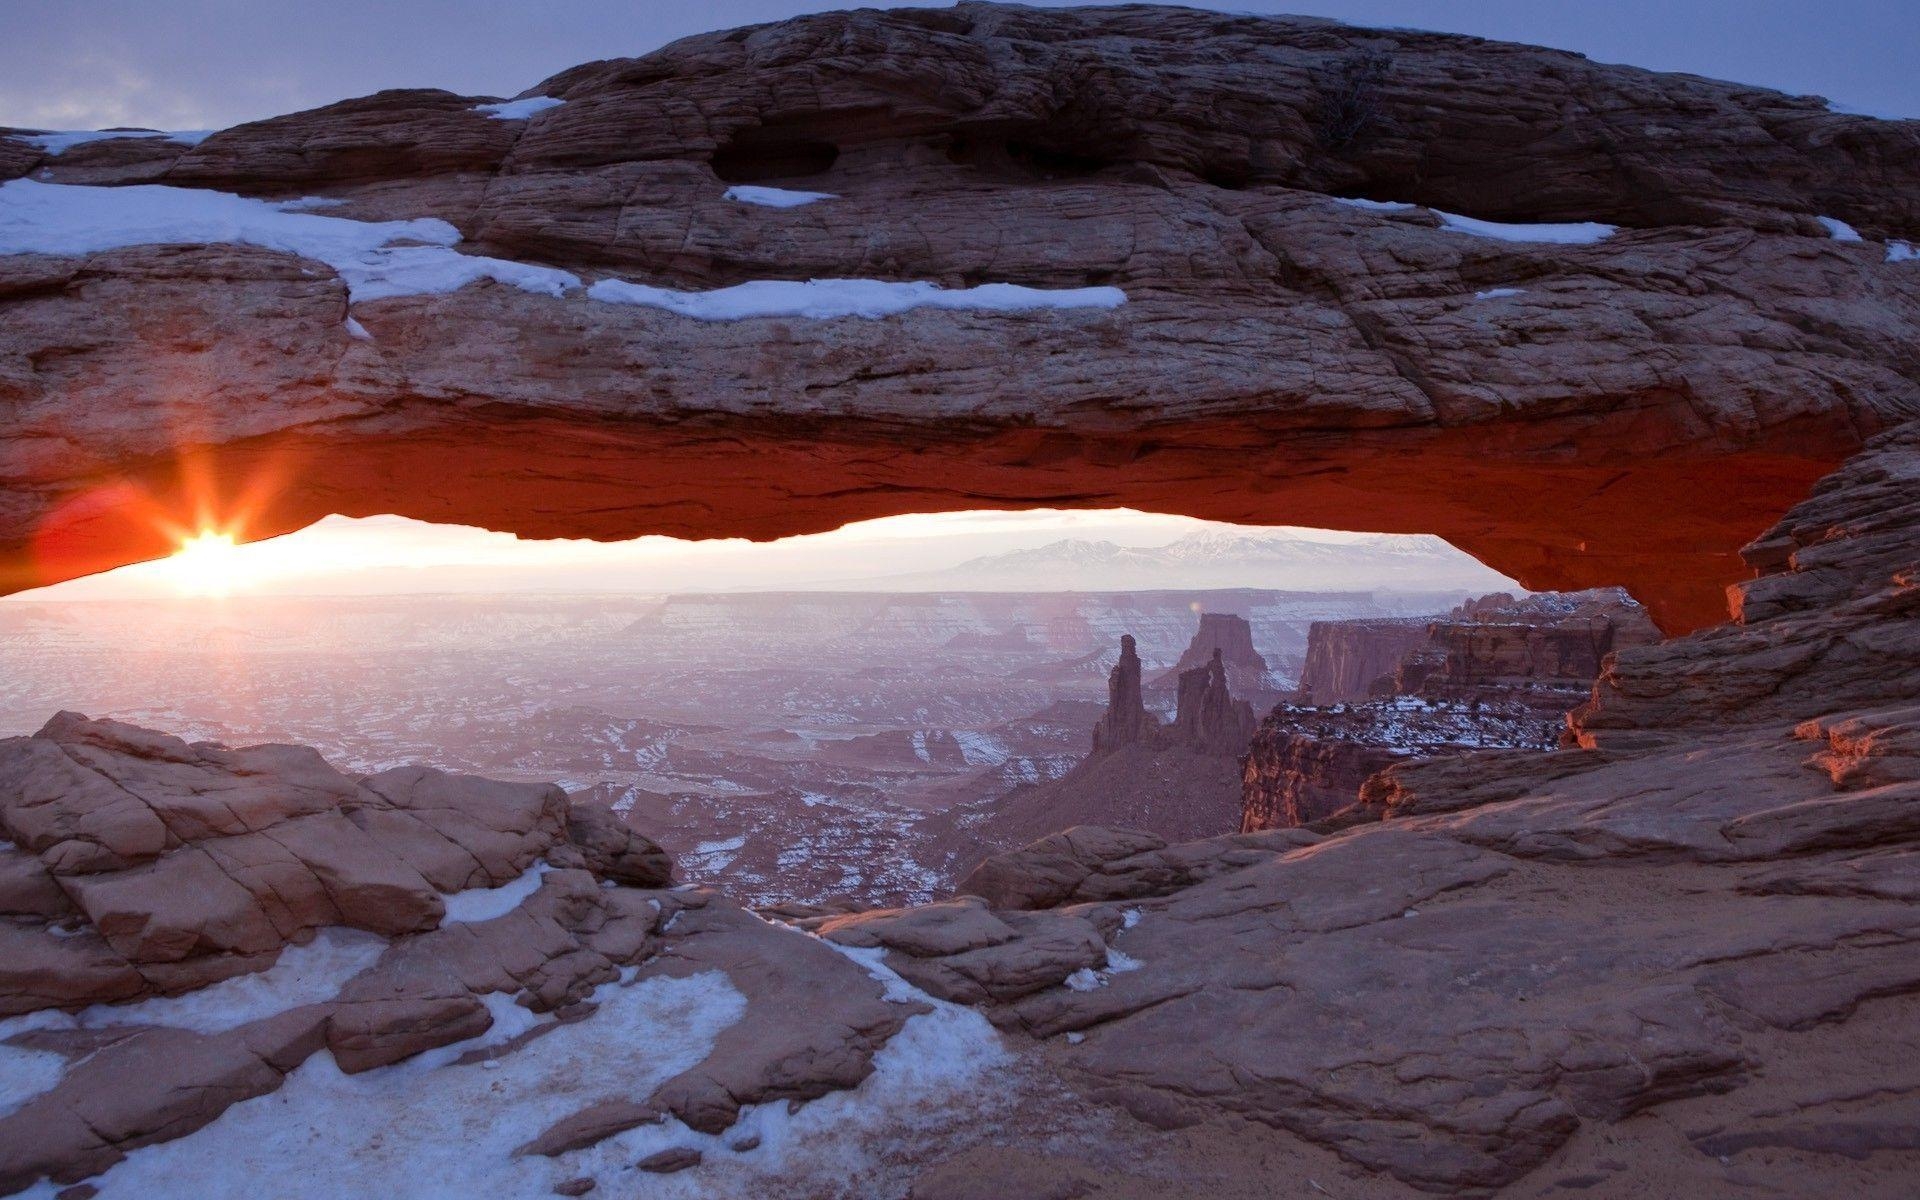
{"type": "Point", "coordinates": [395, 555]}
{"type": "Point", "coordinates": [206, 64]}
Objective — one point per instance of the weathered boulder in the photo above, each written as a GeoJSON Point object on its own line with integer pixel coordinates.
{"type": "Point", "coordinates": [182, 864]}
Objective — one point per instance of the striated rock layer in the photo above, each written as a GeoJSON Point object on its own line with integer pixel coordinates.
{"type": "Point", "coordinates": [1493, 673]}
{"type": "Point", "coordinates": [1624, 410]}
{"type": "Point", "coordinates": [1344, 658]}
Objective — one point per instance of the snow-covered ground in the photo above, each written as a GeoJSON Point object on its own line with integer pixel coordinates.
{"type": "Point", "coordinates": [445, 1125]}
{"type": "Point", "coordinates": [1577, 233]}
{"type": "Point", "coordinates": [484, 904]}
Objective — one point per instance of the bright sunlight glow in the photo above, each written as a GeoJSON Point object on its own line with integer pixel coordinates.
{"type": "Point", "coordinates": [207, 564]}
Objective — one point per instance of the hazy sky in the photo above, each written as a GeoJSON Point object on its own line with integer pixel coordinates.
{"type": "Point", "coordinates": [383, 555]}
{"type": "Point", "coordinates": [202, 64]}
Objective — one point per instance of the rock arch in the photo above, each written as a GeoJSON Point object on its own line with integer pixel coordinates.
{"type": "Point", "coordinates": [1574, 404]}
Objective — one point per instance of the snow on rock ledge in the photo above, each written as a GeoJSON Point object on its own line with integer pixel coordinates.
{"type": "Point", "coordinates": [58, 142]}
{"type": "Point", "coordinates": [379, 260]}
{"type": "Point", "coordinates": [773, 197]}
{"type": "Point", "coordinates": [826, 299]}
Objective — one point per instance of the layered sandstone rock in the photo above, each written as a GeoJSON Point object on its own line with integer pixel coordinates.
{"type": "Point", "coordinates": [1525, 650]}
{"type": "Point", "coordinates": [1209, 718]}
{"type": "Point", "coordinates": [1227, 637]}
{"type": "Point", "coordinates": [1494, 673]}
{"type": "Point", "coordinates": [1345, 658]}
{"type": "Point", "coordinates": [1677, 958]}
{"type": "Point", "coordinates": [1126, 721]}
{"type": "Point", "coordinates": [1298, 773]}
{"type": "Point", "coordinates": [187, 925]}
{"type": "Point", "coordinates": [1706, 920]}
{"type": "Point", "coordinates": [1564, 410]}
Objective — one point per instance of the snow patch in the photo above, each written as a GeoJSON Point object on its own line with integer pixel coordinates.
{"type": "Point", "coordinates": [1118, 961]}
{"type": "Point", "coordinates": [72, 219]}
{"type": "Point", "coordinates": [306, 974]}
{"type": "Point", "coordinates": [713, 856]}
{"type": "Point", "coordinates": [518, 110]}
{"type": "Point", "coordinates": [308, 203]}
{"type": "Point", "coordinates": [1373, 205]}
{"type": "Point", "coordinates": [358, 332]}
{"type": "Point", "coordinates": [773, 197]}
{"type": "Point", "coordinates": [1498, 293]}
{"type": "Point", "coordinates": [433, 270]}
{"type": "Point", "coordinates": [447, 1131]}
{"type": "Point", "coordinates": [980, 749]}
{"type": "Point", "coordinates": [26, 1073]}
{"type": "Point", "coordinates": [56, 143]}
{"type": "Point", "coordinates": [484, 904]}
{"type": "Point", "coordinates": [1839, 230]}
{"type": "Point", "coordinates": [1579, 233]}
{"type": "Point", "coordinates": [382, 259]}
{"type": "Point", "coordinates": [828, 299]}
{"type": "Point", "coordinates": [1086, 979]}
{"type": "Point", "coordinates": [1901, 252]}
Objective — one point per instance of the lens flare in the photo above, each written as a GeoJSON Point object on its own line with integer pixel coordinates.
{"type": "Point", "coordinates": [207, 564]}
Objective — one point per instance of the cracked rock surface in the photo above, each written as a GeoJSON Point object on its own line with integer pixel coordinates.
{"type": "Point", "coordinates": [1622, 411]}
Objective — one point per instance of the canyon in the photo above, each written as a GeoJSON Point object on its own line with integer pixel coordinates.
{"type": "Point", "coordinates": [1596, 325]}
{"type": "Point", "coordinates": [1493, 673]}
{"type": "Point", "coordinates": [780, 745]}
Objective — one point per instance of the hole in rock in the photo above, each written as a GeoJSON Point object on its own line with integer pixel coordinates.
{"type": "Point", "coordinates": [1036, 154]}
{"type": "Point", "coordinates": [766, 152]}
{"type": "Point", "coordinates": [861, 713]}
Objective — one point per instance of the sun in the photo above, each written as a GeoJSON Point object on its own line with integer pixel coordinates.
{"type": "Point", "coordinates": [207, 564]}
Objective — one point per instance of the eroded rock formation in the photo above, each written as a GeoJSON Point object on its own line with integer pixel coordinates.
{"type": "Point", "coordinates": [1623, 410]}
{"type": "Point", "coordinates": [1126, 721]}
{"type": "Point", "coordinates": [1344, 658]}
{"type": "Point", "coordinates": [1228, 637]}
{"type": "Point", "coordinates": [1493, 673]}
{"type": "Point", "coordinates": [293, 910]}
{"type": "Point", "coordinates": [1209, 718]}
{"type": "Point", "coordinates": [1177, 780]}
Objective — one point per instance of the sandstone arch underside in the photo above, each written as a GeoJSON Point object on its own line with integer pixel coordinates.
{"type": "Point", "coordinates": [1575, 405]}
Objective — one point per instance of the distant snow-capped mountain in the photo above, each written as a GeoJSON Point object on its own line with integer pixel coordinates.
{"type": "Point", "coordinates": [1215, 558]}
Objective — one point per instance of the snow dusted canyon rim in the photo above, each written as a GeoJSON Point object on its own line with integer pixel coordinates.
{"type": "Point", "coordinates": [1593, 324]}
